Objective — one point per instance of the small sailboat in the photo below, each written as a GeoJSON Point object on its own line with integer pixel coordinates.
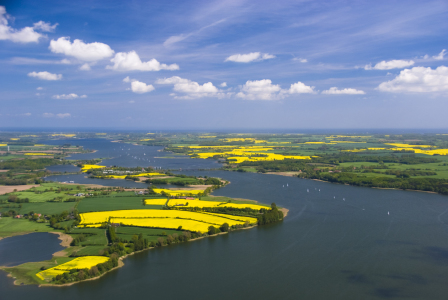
{"type": "Point", "coordinates": [334, 197]}
{"type": "Point", "coordinates": [307, 190]}
{"type": "Point", "coordinates": [388, 213]}
{"type": "Point", "coordinates": [286, 184]}
{"type": "Point", "coordinates": [319, 190]}
{"type": "Point", "coordinates": [283, 185]}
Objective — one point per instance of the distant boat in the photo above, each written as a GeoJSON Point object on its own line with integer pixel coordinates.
{"type": "Point", "coordinates": [319, 190]}
{"type": "Point", "coordinates": [307, 190]}
{"type": "Point", "coordinates": [388, 213]}
{"type": "Point", "coordinates": [343, 199]}
{"type": "Point", "coordinates": [286, 184]}
{"type": "Point", "coordinates": [283, 185]}
{"type": "Point", "coordinates": [334, 197]}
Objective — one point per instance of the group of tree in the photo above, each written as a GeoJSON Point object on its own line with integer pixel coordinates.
{"type": "Point", "coordinates": [270, 216]}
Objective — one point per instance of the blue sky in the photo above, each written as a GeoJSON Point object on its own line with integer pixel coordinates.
{"type": "Point", "coordinates": [224, 64]}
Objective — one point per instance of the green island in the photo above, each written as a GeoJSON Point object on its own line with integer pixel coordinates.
{"type": "Point", "coordinates": [102, 225]}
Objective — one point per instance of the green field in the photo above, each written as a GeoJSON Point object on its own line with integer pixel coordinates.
{"type": "Point", "coordinates": [45, 208]}
{"type": "Point", "coordinates": [113, 203]}
{"type": "Point", "coordinates": [10, 226]}
{"type": "Point", "coordinates": [152, 234]}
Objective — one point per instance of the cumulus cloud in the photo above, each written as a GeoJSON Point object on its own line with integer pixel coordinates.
{"type": "Point", "coordinates": [139, 87]}
{"type": "Point", "coordinates": [66, 115]}
{"type": "Point", "coordinates": [224, 84]}
{"type": "Point", "coordinates": [246, 58]}
{"type": "Point", "coordinates": [45, 75]}
{"type": "Point", "coordinates": [131, 62]}
{"type": "Point", "coordinates": [39, 88]}
{"type": "Point", "coordinates": [46, 27]}
{"type": "Point", "coordinates": [418, 80]}
{"type": "Point", "coordinates": [68, 96]}
{"type": "Point", "coordinates": [346, 91]}
{"type": "Point", "coordinates": [261, 90]}
{"type": "Point", "coordinates": [391, 64]}
{"type": "Point", "coordinates": [301, 88]}
{"type": "Point", "coordinates": [191, 89]}
{"type": "Point", "coordinates": [85, 67]}
{"type": "Point", "coordinates": [24, 35]}
{"type": "Point", "coordinates": [80, 50]}
{"type": "Point", "coordinates": [440, 56]}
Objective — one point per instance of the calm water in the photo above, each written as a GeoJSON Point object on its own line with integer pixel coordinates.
{"type": "Point", "coordinates": [26, 248]}
{"type": "Point", "coordinates": [341, 242]}
{"type": "Point", "coordinates": [63, 168]}
{"type": "Point", "coordinates": [128, 155]}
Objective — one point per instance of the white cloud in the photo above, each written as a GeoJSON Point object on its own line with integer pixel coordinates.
{"type": "Point", "coordinates": [131, 62]}
{"type": "Point", "coordinates": [224, 84]}
{"type": "Point", "coordinates": [192, 89]}
{"type": "Point", "coordinates": [301, 88]}
{"type": "Point", "coordinates": [27, 114]}
{"type": "Point", "coordinates": [40, 88]}
{"type": "Point", "coordinates": [68, 96]}
{"type": "Point", "coordinates": [80, 50]}
{"type": "Point", "coordinates": [47, 115]}
{"type": "Point", "coordinates": [65, 61]}
{"type": "Point", "coordinates": [261, 90]}
{"type": "Point", "coordinates": [85, 67]}
{"type": "Point", "coordinates": [245, 58]}
{"type": "Point", "coordinates": [440, 56]}
{"type": "Point", "coordinates": [391, 64]}
{"type": "Point", "coordinates": [46, 27]}
{"type": "Point", "coordinates": [24, 35]}
{"type": "Point", "coordinates": [418, 80]}
{"type": "Point", "coordinates": [302, 60]}
{"type": "Point", "coordinates": [45, 75]}
{"type": "Point", "coordinates": [346, 91]}
{"type": "Point", "coordinates": [141, 87]}
{"type": "Point", "coordinates": [66, 115]}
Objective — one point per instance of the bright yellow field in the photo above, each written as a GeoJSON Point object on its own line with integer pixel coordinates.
{"type": "Point", "coordinates": [63, 134]}
{"type": "Point", "coordinates": [136, 175]}
{"type": "Point", "coordinates": [153, 215]}
{"type": "Point", "coordinates": [145, 140]}
{"type": "Point", "coordinates": [155, 201]}
{"type": "Point", "coordinates": [201, 204]}
{"type": "Point", "coordinates": [178, 192]}
{"type": "Point", "coordinates": [167, 223]}
{"type": "Point", "coordinates": [39, 154]}
{"type": "Point", "coordinates": [85, 262]}
{"type": "Point", "coordinates": [88, 167]}
{"type": "Point", "coordinates": [408, 146]}
{"type": "Point", "coordinates": [39, 145]}
{"type": "Point", "coordinates": [3, 145]}
{"type": "Point", "coordinates": [14, 139]}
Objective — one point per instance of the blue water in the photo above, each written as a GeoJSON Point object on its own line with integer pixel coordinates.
{"type": "Point", "coordinates": [128, 155]}
{"type": "Point", "coordinates": [341, 242]}
{"type": "Point", "coordinates": [20, 249]}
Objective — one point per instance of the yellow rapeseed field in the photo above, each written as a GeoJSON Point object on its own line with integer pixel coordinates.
{"type": "Point", "coordinates": [199, 203]}
{"type": "Point", "coordinates": [88, 167]}
{"type": "Point", "coordinates": [161, 201]}
{"type": "Point", "coordinates": [14, 139]}
{"type": "Point", "coordinates": [135, 175]}
{"type": "Point", "coordinates": [178, 192]}
{"type": "Point", "coordinates": [3, 145]}
{"type": "Point", "coordinates": [84, 262]}
{"type": "Point", "coordinates": [63, 134]}
{"type": "Point", "coordinates": [39, 154]}
{"type": "Point", "coordinates": [152, 215]}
